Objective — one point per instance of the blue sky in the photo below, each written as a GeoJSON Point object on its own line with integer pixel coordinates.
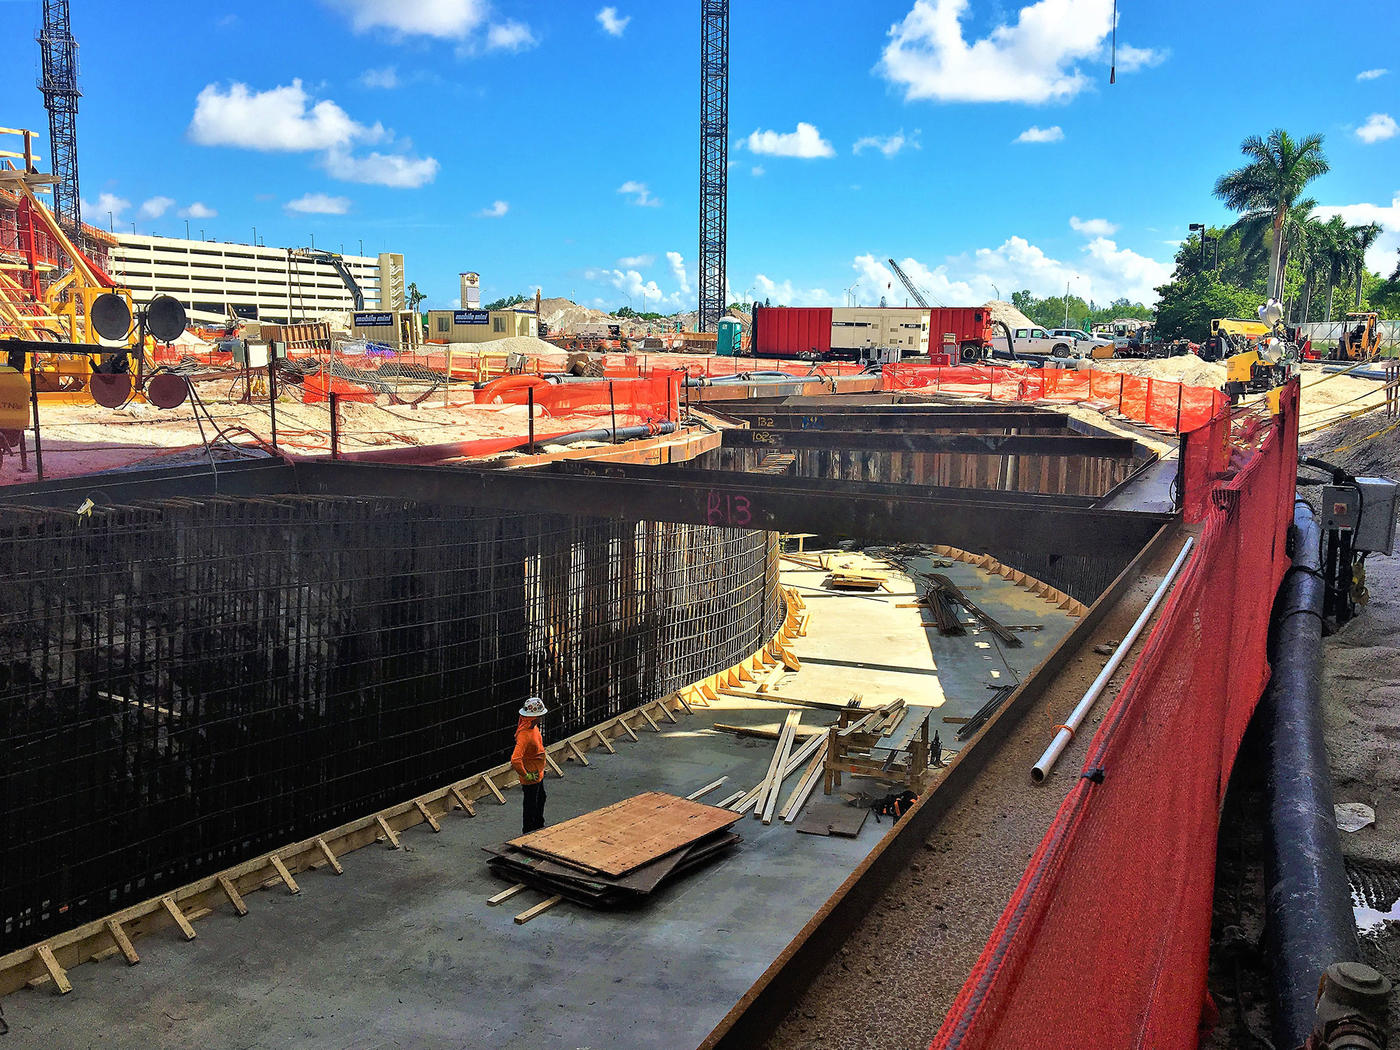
{"type": "Point", "coordinates": [555, 143]}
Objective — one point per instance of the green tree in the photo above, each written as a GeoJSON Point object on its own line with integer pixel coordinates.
{"type": "Point", "coordinates": [414, 296]}
{"type": "Point", "coordinates": [1270, 185]}
{"type": "Point", "coordinates": [1365, 237]}
{"type": "Point", "coordinates": [1188, 303]}
{"type": "Point", "coordinates": [507, 302]}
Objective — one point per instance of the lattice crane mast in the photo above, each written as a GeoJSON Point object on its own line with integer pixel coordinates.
{"type": "Point", "coordinates": [917, 295]}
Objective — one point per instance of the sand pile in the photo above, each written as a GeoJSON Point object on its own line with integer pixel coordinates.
{"type": "Point", "coordinates": [1007, 314]}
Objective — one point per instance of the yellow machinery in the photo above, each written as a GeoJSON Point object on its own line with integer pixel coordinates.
{"type": "Point", "coordinates": [63, 310]}
{"type": "Point", "coordinates": [1360, 340]}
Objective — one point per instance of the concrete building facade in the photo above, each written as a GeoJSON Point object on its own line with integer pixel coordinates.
{"type": "Point", "coordinates": [256, 282]}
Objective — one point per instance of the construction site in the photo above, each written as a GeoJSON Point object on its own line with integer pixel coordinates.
{"type": "Point", "coordinates": [898, 681]}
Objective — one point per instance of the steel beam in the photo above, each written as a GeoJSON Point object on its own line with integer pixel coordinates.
{"type": "Point", "coordinates": [891, 419]}
{"type": "Point", "coordinates": [749, 501]}
{"type": "Point", "coordinates": [254, 478]}
{"type": "Point", "coordinates": [909, 441]}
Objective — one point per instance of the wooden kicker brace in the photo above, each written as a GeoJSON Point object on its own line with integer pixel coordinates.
{"type": "Point", "coordinates": [427, 817]}
{"type": "Point", "coordinates": [491, 786]}
{"type": "Point", "coordinates": [464, 802]}
{"type": "Point", "coordinates": [549, 760]}
{"type": "Point", "coordinates": [665, 711]}
{"type": "Point", "coordinates": [175, 913]}
{"type": "Point", "coordinates": [123, 942]}
{"type": "Point", "coordinates": [622, 721]}
{"type": "Point", "coordinates": [650, 721]}
{"type": "Point", "coordinates": [56, 973]}
{"type": "Point", "coordinates": [283, 873]}
{"type": "Point", "coordinates": [234, 897]}
{"type": "Point", "coordinates": [389, 836]}
{"type": "Point", "coordinates": [602, 739]}
{"type": "Point", "coordinates": [330, 857]}
{"type": "Point", "coordinates": [579, 756]}
{"type": "Point", "coordinates": [539, 909]}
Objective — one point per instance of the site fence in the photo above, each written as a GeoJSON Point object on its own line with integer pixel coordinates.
{"type": "Point", "coordinates": [187, 684]}
{"type": "Point", "coordinates": [1106, 939]}
{"type": "Point", "coordinates": [1174, 407]}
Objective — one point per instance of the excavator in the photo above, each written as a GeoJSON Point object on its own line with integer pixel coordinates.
{"type": "Point", "coordinates": [1360, 340]}
{"type": "Point", "coordinates": [336, 263]}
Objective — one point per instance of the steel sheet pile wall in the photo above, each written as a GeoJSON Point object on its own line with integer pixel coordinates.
{"type": "Point", "coordinates": [188, 683]}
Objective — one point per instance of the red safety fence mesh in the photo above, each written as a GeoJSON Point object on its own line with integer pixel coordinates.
{"type": "Point", "coordinates": [1174, 407]}
{"type": "Point", "coordinates": [1106, 938]}
{"type": "Point", "coordinates": [632, 400]}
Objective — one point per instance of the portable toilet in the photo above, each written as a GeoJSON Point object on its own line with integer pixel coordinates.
{"type": "Point", "coordinates": [729, 338]}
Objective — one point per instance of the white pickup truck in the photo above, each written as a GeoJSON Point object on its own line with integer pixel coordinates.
{"type": "Point", "coordinates": [1085, 345]}
{"type": "Point", "coordinates": [1038, 342]}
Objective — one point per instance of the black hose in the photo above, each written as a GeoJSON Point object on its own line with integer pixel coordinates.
{"type": "Point", "coordinates": [1310, 920]}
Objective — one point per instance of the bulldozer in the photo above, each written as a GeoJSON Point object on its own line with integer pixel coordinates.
{"type": "Point", "coordinates": [1360, 340]}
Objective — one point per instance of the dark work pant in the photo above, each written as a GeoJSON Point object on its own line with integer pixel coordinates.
{"type": "Point", "coordinates": [534, 806]}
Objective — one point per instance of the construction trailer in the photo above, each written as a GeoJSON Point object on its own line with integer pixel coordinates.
{"type": "Point", "coordinates": [480, 326]}
{"type": "Point", "coordinates": [851, 333]}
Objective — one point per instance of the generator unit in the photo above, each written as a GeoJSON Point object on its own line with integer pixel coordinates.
{"type": "Point", "coordinates": [1358, 516]}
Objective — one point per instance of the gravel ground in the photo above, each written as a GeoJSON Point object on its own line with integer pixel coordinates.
{"type": "Point", "coordinates": [891, 983]}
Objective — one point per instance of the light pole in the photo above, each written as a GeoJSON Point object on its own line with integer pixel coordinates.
{"type": "Point", "coordinates": [1201, 228]}
{"type": "Point", "coordinates": [133, 226]}
{"type": "Point", "coordinates": [362, 247]}
{"type": "Point", "coordinates": [187, 229]}
{"type": "Point", "coordinates": [111, 224]}
{"type": "Point", "coordinates": [313, 242]}
{"type": "Point", "coordinates": [255, 236]}
{"type": "Point", "coordinates": [850, 292]}
{"type": "Point", "coordinates": [1066, 324]}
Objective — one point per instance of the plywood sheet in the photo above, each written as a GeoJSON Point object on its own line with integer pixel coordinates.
{"type": "Point", "coordinates": [624, 836]}
{"type": "Point", "coordinates": [833, 818]}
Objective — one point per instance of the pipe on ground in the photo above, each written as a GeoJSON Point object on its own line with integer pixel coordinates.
{"type": "Point", "coordinates": [1309, 913]}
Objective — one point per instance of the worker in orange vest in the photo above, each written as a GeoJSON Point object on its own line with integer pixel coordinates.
{"type": "Point", "coordinates": [528, 762]}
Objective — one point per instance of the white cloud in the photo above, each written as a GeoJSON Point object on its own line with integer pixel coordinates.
{"type": "Point", "coordinates": [636, 262]}
{"type": "Point", "coordinates": [1103, 272]}
{"type": "Point", "coordinates": [106, 202]}
{"type": "Point", "coordinates": [641, 291]}
{"type": "Point", "coordinates": [1092, 227]}
{"type": "Point", "coordinates": [786, 293]}
{"type": "Point", "coordinates": [1371, 74]}
{"type": "Point", "coordinates": [155, 207]}
{"type": "Point", "coordinates": [677, 262]}
{"type": "Point", "coordinates": [497, 209]}
{"type": "Point", "coordinates": [1033, 59]}
{"type": "Point", "coordinates": [613, 24]}
{"type": "Point", "coordinates": [381, 169]}
{"type": "Point", "coordinates": [890, 145]}
{"type": "Point", "coordinates": [806, 142]}
{"type": "Point", "coordinates": [641, 196]}
{"type": "Point", "coordinates": [758, 171]}
{"type": "Point", "coordinates": [510, 36]}
{"type": "Point", "coordinates": [1034, 133]}
{"type": "Point", "coordinates": [197, 210]}
{"type": "Point", "coordinates": [445, 19]}
{"type": "Point", "coordinates": [1378, 128]}
{"type": "Point", "coordinates": [387, 78]}
{"type": "Point", "coordinates": [1381, 257]}
{"type": "Point", "coordinates": [281, 118]}
{"type": "Point", "coordinates": [1131, 59]}
{"type": "Point", "coordinates": [319, 204]}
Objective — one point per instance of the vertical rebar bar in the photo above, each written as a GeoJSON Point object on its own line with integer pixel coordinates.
{"type": "Point", "coordinates": [272, 391]}
{"type": "Point", "coordinates": [530, 400]}
{"type": "Point", "coordinates": [34, 404]}
{"type": "Point", "coordinates": [612, 410]}
{"type": "Point", "coordinates": [334, 399]}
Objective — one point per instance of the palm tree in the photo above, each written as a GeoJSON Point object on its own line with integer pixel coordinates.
{"type": "Point", "coordinates": [1270, 185]}
{"type": "Point", "coordinates": [1338, 250]}
{"type": "Point", "coordinates": [1365, 237]}
{"type": "Point", "coordinates": [1310, 250]}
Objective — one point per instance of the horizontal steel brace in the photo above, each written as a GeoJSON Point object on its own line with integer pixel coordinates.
{"type": "Point", "coordinates": [913, 440]}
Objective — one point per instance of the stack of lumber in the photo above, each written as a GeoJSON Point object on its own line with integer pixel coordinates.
{"type": "Point", "coordinates": [855, 572]}
{"type": "Point", "coordinates": [618, 855]}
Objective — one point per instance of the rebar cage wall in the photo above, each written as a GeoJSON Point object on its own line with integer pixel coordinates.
{"type": "Point", "coordinates": [185, 684]}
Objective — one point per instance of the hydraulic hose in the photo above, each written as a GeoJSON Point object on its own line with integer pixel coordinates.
{"type": "Point", "coordinates": [1309, 918]}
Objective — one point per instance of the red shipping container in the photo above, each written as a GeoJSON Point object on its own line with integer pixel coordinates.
{"type": "Point", "coordinates": [968, 325]}
{"type": "Point", "coordinates": [787, 331]}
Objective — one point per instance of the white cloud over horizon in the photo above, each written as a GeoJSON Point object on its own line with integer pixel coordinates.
{"type": "Point", "coordinates": [286, 119]}
{"type": "Point", "coordinates": [318, 204]}
{"type": "Point", "coordinates": [613, 24]}
{"type": "Point", "coordinates": [1378, 128]}
{"type": "Point", "coordinates": [636, 262]}
{"type": "Point", "coordinates": [639, 194]}
{"type": "Point", "coordinates": [889, 145]}
{"type": "Point", "coordinates": [677, 262]}
{"type": "Point", "coordinates": [197, 210]}
{"type": "Point", "coordinates": [155, 207]}
{"type": "Point", "coordinates": [1381, 258]}
{"type": "Point", "coordinates": [805, 142]}
{"type": "Point", "coordinates": [1033, 58]}
{"type": "Point", "coordinates": [1092, 227]}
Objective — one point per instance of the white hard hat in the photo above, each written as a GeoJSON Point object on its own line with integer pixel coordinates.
{"type": "Point", "coordinates": [534, 708]}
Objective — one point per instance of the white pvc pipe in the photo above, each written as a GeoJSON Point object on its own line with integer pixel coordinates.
{"type": "Point", "coordinates": [1065, 733]}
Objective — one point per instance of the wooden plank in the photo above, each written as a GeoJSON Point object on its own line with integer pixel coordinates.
{"type": "Point", "coordinates": [506, 894]}
{"type": "Point", "coordinates": [798, 798]}
{"type": "Point", "coordinates": [234, 897]}
{"type": "Point", "coordinates": [464, 802]}
{"type": "Point", "coordinates": [173, 909]}
{"type": "Point", "coordinates": [706, 789]}
{"type": "Point", "coordinates": [490, 786]}
{"type": "Point", "coordinates": [618, 838]}
{"type": "Point", "coordinates": [428, 817]}
{"type": "Point", "coordinates": [331, 859]}
{"type": "Point", "coordinates": [283, 873]}
{"type": "Point", "coordinates": [750, 694]}
{"type": "Point", "coordinates": [387, 831]}
{"type": "Point", "coordinates": [539, 909]}
{"type": "Point", "coordinates": [779, 760]}
{"type": "Point", "coordinates": [724, 803]}
{"type": "Point", "coordinates": [57, 974]}
{"type": "Point", "coordinates": [123, 942]}
{"type": "Point", "coordinates": [770, 800]}
{"type": "Point", "coordinates": [578, 755]}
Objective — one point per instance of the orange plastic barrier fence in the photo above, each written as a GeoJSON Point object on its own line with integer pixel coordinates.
{"type": "Point", "coordinates": [1160, 403]}
{"type": "Point", "coordinates": [639, 400]}
{"type": "Point", "coordinates": [1106, 939]}
{"type": "Point", "coordinates": [318, 386]}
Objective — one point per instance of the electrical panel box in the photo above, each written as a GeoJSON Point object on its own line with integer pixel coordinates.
{"type": "Point", "coordinates": [1375, 531]}
{"type": "Point", "coordinates": [1340, 506]}
{"type": "Point", "coordinates": [1366, 510]}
